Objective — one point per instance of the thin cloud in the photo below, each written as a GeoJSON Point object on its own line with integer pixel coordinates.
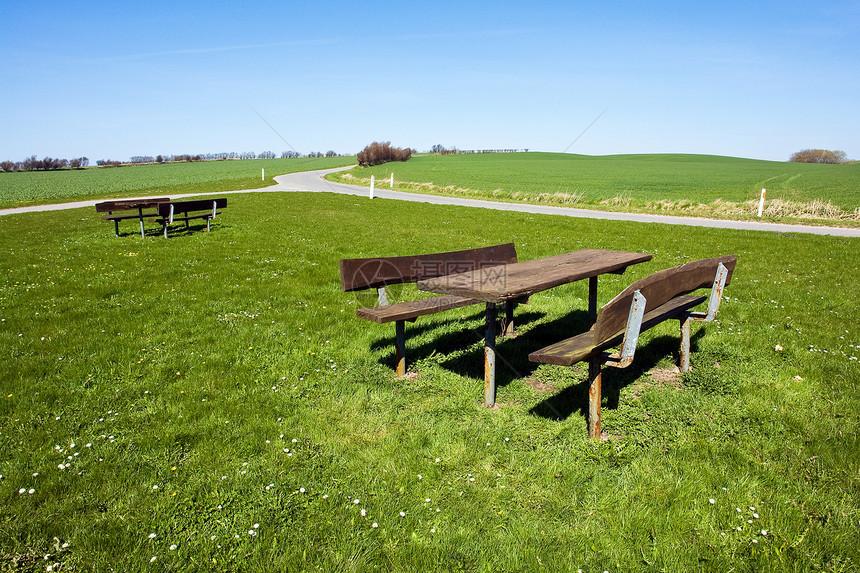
{"type": "Point", "coordinates": [217, 49]}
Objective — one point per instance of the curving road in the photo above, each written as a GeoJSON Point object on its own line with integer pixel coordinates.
{"type": "Point", "coordinates": [313, 181]}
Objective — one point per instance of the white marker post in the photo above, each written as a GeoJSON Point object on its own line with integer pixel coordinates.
{"type": "Point", "coordinates": [372, 183]}
{"type": "Point", "coordinates": [392, 181]}
{"type": "Point", "coordinates": [761, 202]}
{"type": "Point", "coordinates": [263, 174]}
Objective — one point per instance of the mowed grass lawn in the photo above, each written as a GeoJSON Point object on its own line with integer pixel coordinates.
{"type": "Point", "coordinates": [697, 185]}
{"type": "Point", "coordinates": [211, 402]}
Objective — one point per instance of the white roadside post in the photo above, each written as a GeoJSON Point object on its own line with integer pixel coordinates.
{"type": "Point", "coordinates": [392, 181]}
{"type": "Point", "coordinates": [761, 202]}
{"type": "Point", "coordinates": [372, 183]}
{"type": "Point", "coordinates": [263, 174]}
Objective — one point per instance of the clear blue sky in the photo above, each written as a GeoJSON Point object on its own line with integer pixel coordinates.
{"type": "Point", "coordinates": [740, 78]}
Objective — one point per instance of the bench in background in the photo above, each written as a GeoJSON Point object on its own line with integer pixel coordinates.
{"type": "Point", "coordinates": [379, 272]}
{"type": "Point", "coordinates": [136, 205]}
{"type": "Point", "coordinates": [173, 211]}
{"type": "Point", "coordinates": [647, 302]}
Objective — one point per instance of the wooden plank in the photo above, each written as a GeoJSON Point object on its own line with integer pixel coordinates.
{"type": "Point", "coordinates": [124, 217]}
{"type": "Point", "coordinates": [413, 309]}
{"type": "Point", "coordinates": [129, 204]}
{"type": "Point", "coordinates": [517, 280]}
{"type": "Point", "coordinates": [658, 289]}
{"type": "Point", "coordinates": [567, 352]}
{"type": "Point", "coordinates": [188, 206]}
{"type": "Point", "coordinates": [375, 272]}
{"type": "Point", "coordinates": [588, 344]}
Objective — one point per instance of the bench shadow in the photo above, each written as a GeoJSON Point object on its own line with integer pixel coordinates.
{"type": "Point", "coordinates": [574, 398]}
{"type": "Point", "coordinates": [470, 334]}
{"type": "Point", "coordinates": [176, 231]}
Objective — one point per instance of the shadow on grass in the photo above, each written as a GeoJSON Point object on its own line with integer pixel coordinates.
{"type": "Point", "coordinates": [176, 230]}
{"type": "Point", "coordinates": [462, 351]}
{"type": "Point", "coordinates": [574, 398]}
{"type": "Point", "coordinates": [468, 337]}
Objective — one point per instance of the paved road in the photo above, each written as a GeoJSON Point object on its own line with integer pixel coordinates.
{"type": "Point", "coordinates": [312, 181]}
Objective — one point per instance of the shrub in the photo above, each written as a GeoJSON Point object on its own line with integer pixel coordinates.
{"type": "Point", "coordinates": [819, 156]}
{"type": "Point", "coordinates": [378, 153]}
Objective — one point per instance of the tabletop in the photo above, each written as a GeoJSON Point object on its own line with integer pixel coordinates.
{"type": "Point", "coordinates": [512, 281]}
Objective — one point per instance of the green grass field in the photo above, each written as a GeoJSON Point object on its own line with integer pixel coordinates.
{"type": "Point", "coordinates": [211, 402]}
{"type": "Point", "coordinates": [698, 185]}
{"type": "Point", "coordinates": [38, 188]}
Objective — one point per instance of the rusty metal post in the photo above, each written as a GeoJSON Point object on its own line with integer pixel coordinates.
{"type": "Point", "coordinates": [592, 301]}
{"type": "Point", "coordinates": [594, 397]}
{"type": "Point", "coordinates": [490, 356]}
{"type": "Point", "coordinates": [400, 347]}
{"type": "Point", "coordinates": [685, 343]}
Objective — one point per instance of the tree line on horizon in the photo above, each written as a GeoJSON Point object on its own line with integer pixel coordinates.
{"type": "Point", "coordinates": [32, 163]}
{"type": "Point", "coordinates": [374, 154]}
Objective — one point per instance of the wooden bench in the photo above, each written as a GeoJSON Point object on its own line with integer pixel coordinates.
{"type": "Point", "coordinates": [173, 211]}
{"type": "Point", "coordinates": [137, 205]}
{"type": "Point", "coordinates": [379, 272]}
{"type": "Point", "coordinates": [647, 302]}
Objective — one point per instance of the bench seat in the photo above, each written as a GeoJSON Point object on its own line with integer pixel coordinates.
{"type": "Point", "coordinates": [381, 272]}
{"type": "Point", "coordinates": [583, 346]}
{"type": "Point", "coordinates": [664, 295]}
{"type": "Point", "coordinates": [411, 310]}
{"type": "Point", "coordinates": [173, 211]}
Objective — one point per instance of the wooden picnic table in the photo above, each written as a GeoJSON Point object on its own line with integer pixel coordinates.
{"type": "Point", "coordinates": [138, 205]}
{"type": "Point", "coordinates": [517, 281]}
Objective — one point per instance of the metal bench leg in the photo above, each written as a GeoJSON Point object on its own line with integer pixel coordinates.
{"type": "Point", "coordinates": [685, 343]}
{"type": "Point", "coordinates": [400, 347]}
{"type": "Point", "coordinates": [595, 381]}
{"type": "Point", "coordinates": [490, 356]}
{"type": "Point", "coordinates": [116, 227]}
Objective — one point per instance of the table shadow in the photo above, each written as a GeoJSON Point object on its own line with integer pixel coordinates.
{"type": "Point", "coordinates": [469, 334]}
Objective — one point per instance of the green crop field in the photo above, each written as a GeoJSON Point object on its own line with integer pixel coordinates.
{"type": "Point", "coordinates": [699, 185]}
{"type": "Point", "coordinates": [36, 188]}
{"type": "Point", "coordinates": [210, 402]}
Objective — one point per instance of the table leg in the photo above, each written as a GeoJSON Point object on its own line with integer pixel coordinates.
{"type": "Point", "coordinates": [400, 347]}
{"type": "Point", "coordinates": [594, 397]}
{"type": "Point", "coordinates": [509, 318]}
{"type": "Point", "coordinates": [490, 356]}
{"type": "Point", "coordinates": [592, 301]}
{"type": "Point", "coordinates": [140, 216]}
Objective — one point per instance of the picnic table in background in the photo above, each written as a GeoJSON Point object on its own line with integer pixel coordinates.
{"type": "Point", "coordinates": [126, 205]}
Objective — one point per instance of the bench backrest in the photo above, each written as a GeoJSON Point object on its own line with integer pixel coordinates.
{"type": "Point", "coordinates": [187, 206]}
{"type": "Point", "coordinates": [127, 205]}
{"type": "Point", "coordinates": [658, 289]}
{"type": "Point", "coordinates": [376, 272]}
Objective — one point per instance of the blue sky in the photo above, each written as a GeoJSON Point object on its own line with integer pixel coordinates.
{"type": "Point", "coordinates": [113, 80]}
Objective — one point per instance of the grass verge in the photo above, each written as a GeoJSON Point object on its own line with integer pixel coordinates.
{"type": "Point", "coordinates": [686, 185]}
